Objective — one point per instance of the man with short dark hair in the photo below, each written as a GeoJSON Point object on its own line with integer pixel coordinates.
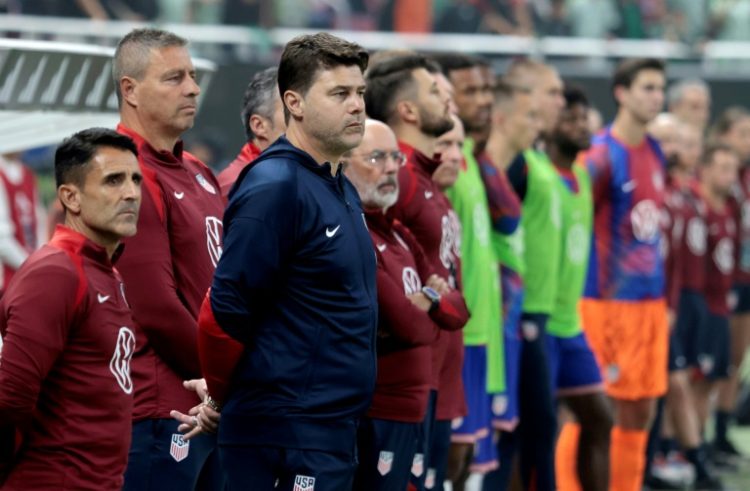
{"type": "Point", "coordinates": [574, 374]}
{"type": "Point", "coordinates": [403, 93]}
{"type": "Point", "coordinates": [287, 333]}
{"type": "Point", "coordinates": [470, 77]}
{"type": "Point", "coordinates": [66, 394]}
{"type": "Point", "coordinates": [263, 119]}
{"type": "Point", "coordinates": [169, 263]}
{"type": "Point", "coordinates": [624, 312]}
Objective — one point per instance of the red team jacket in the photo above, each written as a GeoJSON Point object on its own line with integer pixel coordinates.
{"type": "Point", "coordinates": [428, 214]}
{"type": "Point", "coordinates": [405, 333]}
{"type": "Point", "coordinates": [722, 237]}
{"type": "Point", "coordinates": [167, 267]}
{"type": "Point", "coordinates": [228, 176]}
{"type": "Point", "coordinates": [65, 374]}
{"type": "Point", "coordinates": [686, 235]}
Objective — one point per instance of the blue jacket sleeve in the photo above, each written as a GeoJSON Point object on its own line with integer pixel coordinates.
{"type": "Point", "coordinates": [258, 234]}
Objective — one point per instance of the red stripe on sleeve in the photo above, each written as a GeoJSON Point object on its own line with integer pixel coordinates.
{"type": "Point", "coordinates": [217, 351]}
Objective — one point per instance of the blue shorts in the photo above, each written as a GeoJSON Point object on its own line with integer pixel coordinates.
{"type": "Point", "coordinates": [714, 358]}
{"type": "Point", "coordinates": [742, 293]}
{"type": "Point", "coordinates": [386, 451]}
{"type": "Point", "coordinates": [485, 455]}
{"type": "Point", "coordinates": [476, 424]}
{"type": "Point", "coordinates": [573, 368]}
{"type": "Point", "coordinates": [677, 359]}
{"type": "Point", "coordinates": [160, 459]}
{"type": "Point", "coordinates": [692, 315]}
{"type": "Point", "coordinates": [504, 405]}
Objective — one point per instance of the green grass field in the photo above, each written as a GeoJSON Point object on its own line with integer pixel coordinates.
{"type": "Point", "coordinates": [740, 435]}
{"type": "Point", "coordinates": [740, 481]}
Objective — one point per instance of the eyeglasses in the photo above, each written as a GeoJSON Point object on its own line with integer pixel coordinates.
{"type": "Point", "coordinates": [379, 159]}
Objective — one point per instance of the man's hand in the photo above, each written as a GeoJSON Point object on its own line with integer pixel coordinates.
{"type": "Point", "coordinates": [420, 301]}
{"type": "Point", "coordinates": [200, 418]}
{"type": "Point", "coordinates": [438, 284]}
{"type": "Point", "coordinates": [198, 386]}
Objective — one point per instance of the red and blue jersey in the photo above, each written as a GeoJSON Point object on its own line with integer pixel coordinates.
{"type": "Point", "coordinates": [626, 262]}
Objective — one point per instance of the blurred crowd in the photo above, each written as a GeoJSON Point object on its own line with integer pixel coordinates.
{"type": "Point", "coordinates": [690, 21]}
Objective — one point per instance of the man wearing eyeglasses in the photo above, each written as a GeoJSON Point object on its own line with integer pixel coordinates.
{"type": "Point", "coordinates": [402, 91]}
{"type": "Point", "coordinates": [414, 304]}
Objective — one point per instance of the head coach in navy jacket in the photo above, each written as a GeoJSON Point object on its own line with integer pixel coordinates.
{"type": "Point", "coordinates": [287, 332]}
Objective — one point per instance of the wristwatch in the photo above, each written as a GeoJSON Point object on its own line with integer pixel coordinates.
{"type": "Point", "coordinates": [208, 401]}
{"type": "Point", "coordinates": [433, 296]}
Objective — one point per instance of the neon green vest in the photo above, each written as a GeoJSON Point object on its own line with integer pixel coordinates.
{"type": "Point", "coordinates": [479, 269]}
{"type": "Point", "coordinates": [540, 219]}
{"type": "Point", "coordinates": [577, 217]}
{"type": "Point", "coordinates": [509, 249]}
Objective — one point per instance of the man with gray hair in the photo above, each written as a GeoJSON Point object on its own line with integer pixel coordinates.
{"type": "Point", "coordinates": [168, 265]}
{"type": "Point", "coordinates": [690, 101]}
{"type": "Point", "coordinates": [263, 119]}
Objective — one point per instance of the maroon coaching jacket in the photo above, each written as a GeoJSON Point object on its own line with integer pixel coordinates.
{"type": "Point", "coordinates": [167, 268]}
{"type": "Point", "coordinates": [686, 235]}
{"type": "Point", "coordinates": [65, 384]}
{"type": "Point", "coordinates": [428, 214]}
{"type": "Point", "coordinates": [227, 177]}
{"type": "Point", "coordinates": [720, 275]}
{"type": "Point", "coordinates": [405, 333]}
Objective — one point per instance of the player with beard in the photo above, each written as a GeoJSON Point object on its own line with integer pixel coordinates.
{"type": "Point", "coordinates": [624, 311]}
{"type": "Point", "coordinates": [534, 179]}
{"type": "Point", "coordinates": [263, 119]}
{"type": "Point", "coordinates": [472, 83]}
{"type": "Point", "coordinates": [575, 376]}
{"type": "Point", "coordinates": [414, 303]}
{"type": "Point", "coordinates": [403, 93]}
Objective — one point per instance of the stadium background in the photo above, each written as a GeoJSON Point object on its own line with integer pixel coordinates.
{"type": "Point", "coordinates": [584, 39]}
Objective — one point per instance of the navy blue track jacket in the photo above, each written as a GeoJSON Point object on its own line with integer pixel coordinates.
{"type": "Point", "coordinates": [296, 285]}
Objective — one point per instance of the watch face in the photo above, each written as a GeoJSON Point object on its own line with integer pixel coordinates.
{"type": "Point", "coordinates": [431, 293]}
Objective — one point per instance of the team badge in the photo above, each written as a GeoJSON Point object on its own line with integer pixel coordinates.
{"type": "Point", "coordinates": [732, 300]}
{"type": "Point", "coordinates": [706, 363]}
{"type": "Point", "coordinates": [119, 365]}
{"type": "Point", "coordinates": [205, 184]}
{"type": "Point", "coordinates": [530, 330]}
{"type": "Point", "coordinates": [214, 232]}
{"type": "Point", "coordinates": [613, 373]}
{"type": "Point", "coordinates": [304, 483]}
{"type": "Point", "coordinates": [645, 218]}
{"type": "Point", "coordinates": [429, 480]}
{"type": "Point", "coordinates": [412, 283]}
{"type": "Point", "coordinates": [385, 462]}
{"type": "Point", "coordinates": [499, 404]}
{"type": "Point", "coordinates": [417, 465]}
{"type": "Point", "coordinates": [179, 448]}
